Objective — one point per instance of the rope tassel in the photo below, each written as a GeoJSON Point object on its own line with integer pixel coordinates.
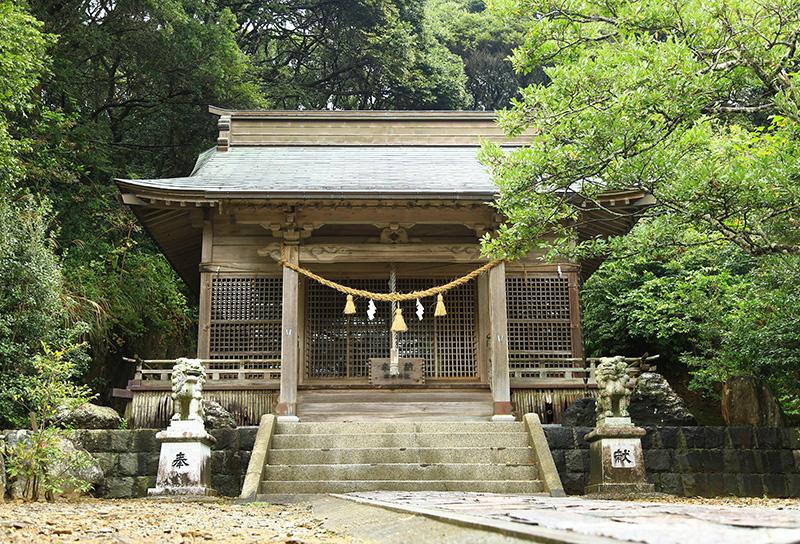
{"type": "Point", "coordinates": [399, 324]}
{"type": "Point", "coordinates": [349, 306]}
{"type": "Point", "coordinates": [440, 311]}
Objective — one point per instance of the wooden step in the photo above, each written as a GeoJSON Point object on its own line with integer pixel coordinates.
{"type": "Point", "coordinates": [395, 404]}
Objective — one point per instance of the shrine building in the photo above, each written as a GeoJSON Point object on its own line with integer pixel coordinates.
{"type": "Point", "coordinates": [292, 211]}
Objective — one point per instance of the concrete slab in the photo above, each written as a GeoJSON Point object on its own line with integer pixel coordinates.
{"type": "Point", "coordinates": [577, 520]}
{"type": "Point", "coordinates": [371, 524]}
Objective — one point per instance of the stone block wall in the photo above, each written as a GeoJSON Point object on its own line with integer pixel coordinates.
{"type": "Point", "coordinates": [697, 461]}
{"type": "Point", "coordinates": [129, 459]}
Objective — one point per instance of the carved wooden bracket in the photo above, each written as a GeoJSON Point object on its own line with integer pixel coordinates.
{"type": "Point", "coordinates": [394, 234]}
{"type": "Point", "coordinates": [288, 230]}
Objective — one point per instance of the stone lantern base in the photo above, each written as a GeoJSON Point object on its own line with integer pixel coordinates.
{"type": "Point", "coordinates": [616, 458]}
{"type": "Point", "coordinates": [184, 467]}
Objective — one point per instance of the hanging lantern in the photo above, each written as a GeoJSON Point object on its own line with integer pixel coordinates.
{"type": "Point", "coordinates": [349, 306]}
{"type": "Point", "coordinates": [399, 324]}
{"type": "Point", "coordinates": [440, 311]}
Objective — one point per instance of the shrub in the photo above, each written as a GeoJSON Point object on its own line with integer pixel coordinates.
{"type": "Point", "coordinates": [40, 458]}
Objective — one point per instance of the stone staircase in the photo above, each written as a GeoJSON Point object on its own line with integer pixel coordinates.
{"type": "Point", "coordinates": [341, 457]}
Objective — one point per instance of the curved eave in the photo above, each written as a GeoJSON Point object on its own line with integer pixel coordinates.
{"type": "Point", "coordinates": [615, 215]}
{"type": "Point", "coordinates": [171, 216]}
{"type": "Point", "coordinates": [147, 189]}
{"type": "Point", "coordinates": [175, 233]}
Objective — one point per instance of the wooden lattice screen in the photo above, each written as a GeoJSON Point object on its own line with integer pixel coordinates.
{"type": "Point", "coordinates": [447, 344]}
{"type": "Point", "coordinates": [539, 321]}
{"type": "Point", "coordinates": [245, 317]}
{"type": "Point", "coordinates": [338, 346]}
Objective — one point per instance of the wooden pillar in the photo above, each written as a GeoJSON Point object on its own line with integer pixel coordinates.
{"type": "Point", "coordinates": [501, 385]}
{"type": "Point", "coordinates": [575, 315]}
{"type": "Point", "coordinates": [287, 402]}
{"type": "Point", "coordinates": [484, 331]}
{"type": "Point", "coordinates": [204, 306]}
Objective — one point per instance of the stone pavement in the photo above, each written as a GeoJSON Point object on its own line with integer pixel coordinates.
{"type": "Point", "coordinates": [579, 520]}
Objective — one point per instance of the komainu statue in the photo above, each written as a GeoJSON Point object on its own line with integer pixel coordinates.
{"type": "Point", "coordinates": [613, 394]}
{"type": "Point", "coordinates": [188, 376]}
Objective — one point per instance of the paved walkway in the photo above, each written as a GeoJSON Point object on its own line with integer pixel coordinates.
{"type": "Point", "coordinates": [579, 520]}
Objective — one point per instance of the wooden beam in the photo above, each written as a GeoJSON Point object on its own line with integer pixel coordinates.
{"type": "Point", "coordinates": [287, 401]}
{"type": "Point", "coordinates": [382, 253]}
{"type": "Point", "coordinates": [501, 389]}
{"type": "Point", "coordinates": [359, 214]}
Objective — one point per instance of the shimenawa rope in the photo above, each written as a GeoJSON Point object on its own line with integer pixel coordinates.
{"type": "Point", "coordinates": [392, 297]}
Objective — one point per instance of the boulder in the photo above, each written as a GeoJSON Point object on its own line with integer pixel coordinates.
{"type": "Point", "coordinates": [89, 471]}
{"type": "Point", "coordinates": [580, 413]}
{"type": "Point", "coordinates": [654, 402]}
{"type": "Point", "coordinates": [217, 417]}
{"type": "Point", "coordinates": [89, 416]}
{"type": "Point", "coordinates": [748, 401]}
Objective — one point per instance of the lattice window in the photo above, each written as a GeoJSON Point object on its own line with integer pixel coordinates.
{"type": "Point", "coordinates": [339, 346]}
{"type": "Point", "coordinates": [539, 322]}
{"type": "Point", "coordinates": [245, 317]}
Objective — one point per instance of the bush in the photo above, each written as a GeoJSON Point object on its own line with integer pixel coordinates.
{"type": "Point", "coordinates": [33, 306]}
{"type": "Point", "coordinates": [40, 458]}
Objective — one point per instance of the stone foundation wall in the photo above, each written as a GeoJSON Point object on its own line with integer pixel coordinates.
{"type": "Point", "coordinates": [129, 459]}
{"type": "Point", "coordinates": [697, 461]}
{"type": "Point", "coordinates": [690, 461]}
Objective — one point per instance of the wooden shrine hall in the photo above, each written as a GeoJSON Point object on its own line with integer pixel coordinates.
{"type": "Point", "coordinates": [291, 212]}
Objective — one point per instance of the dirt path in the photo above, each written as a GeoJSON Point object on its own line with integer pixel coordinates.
{"type": "Point", "coordinates": [155, 521]}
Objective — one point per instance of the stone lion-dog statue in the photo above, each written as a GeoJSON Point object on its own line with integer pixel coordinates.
{"type": "Point", "coordinates": [613, 394]}
{"type": "Point", "coordinates": [188, 376]}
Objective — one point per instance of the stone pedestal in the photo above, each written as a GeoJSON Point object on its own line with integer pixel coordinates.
{"type": "Point", "coordinates": [616, 459]}
{"type": "Point", "coordinates": [184, 467]}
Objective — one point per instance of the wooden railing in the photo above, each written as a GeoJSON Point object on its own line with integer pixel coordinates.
{"type": "Point", "coordinates": [569, 371]}
{"type": "Point", "coordinates": [218, 371]}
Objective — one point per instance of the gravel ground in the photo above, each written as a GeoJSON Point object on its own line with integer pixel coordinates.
{"type": "Point", "coordinates": [175, 521]}
{"type": "Point", "coordinates": [742, 502]}
{"type": "Point", "coordinates": [148, 520]}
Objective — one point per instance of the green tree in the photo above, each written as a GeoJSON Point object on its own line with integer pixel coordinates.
{"type": "Point", "coordinates": [484, 42]}
{"type": "Point", "coordinates": [23, 59]}
{"type": "Point", "coordinates": [706, 304]}
{"type": "Point", "coordinates": [353, 54]}
{"type": "Point", "coordinates": [127, 96]}
{"type": "Point", "coordinates": [695, 102]}
{"type": "Point", "coordinates": [34, 306]}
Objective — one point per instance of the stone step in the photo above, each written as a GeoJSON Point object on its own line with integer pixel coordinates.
{"type": "Point", "coordinates": [513, 455]}
{"type": "Point", "coordinates": [374, 427]}
{"type": "Point", "coordinates": [401, 471]}
{"type": "Point", "coordinates": [349, 486]}
{"type": "Point", "coordinates": [398, 440]}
